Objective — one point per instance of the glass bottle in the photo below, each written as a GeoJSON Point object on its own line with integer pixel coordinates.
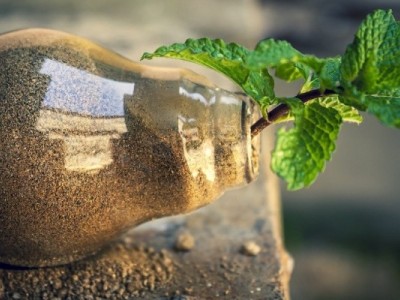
{"type": "Point", "coordinates": [92, 144]}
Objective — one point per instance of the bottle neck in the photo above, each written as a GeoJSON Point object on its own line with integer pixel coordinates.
{"type": "Point", "coordinates": [218, 151]}
{"type": "Point", "coordinates": [236, 152]}
{"type": "Point", "coordinates": [216, 137]}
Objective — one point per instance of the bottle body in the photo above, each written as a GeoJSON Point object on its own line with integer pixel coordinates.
{"type": "Point", "coordinates": [92, 144]}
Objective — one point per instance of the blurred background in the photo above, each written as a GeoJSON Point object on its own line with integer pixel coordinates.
{"type": "Point", "coordinates": [344, 231]}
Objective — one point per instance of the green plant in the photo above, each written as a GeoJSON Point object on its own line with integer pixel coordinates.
{"type": "Point", "coordinates": [365, 78]}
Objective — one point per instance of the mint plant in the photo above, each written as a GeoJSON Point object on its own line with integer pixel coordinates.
{"type": "Point", "coordinates": [335, 89]}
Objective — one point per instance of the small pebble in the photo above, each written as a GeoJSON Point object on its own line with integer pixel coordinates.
{"type": "Point", "coordinates": [184, 242]}
{"type": "Point", "coordinates": [16, 296]}
{"type": "Point", "coordinates": [251, 248]}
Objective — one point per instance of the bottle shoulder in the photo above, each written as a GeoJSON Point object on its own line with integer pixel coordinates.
{"type": "Point", "coordinates": [52, 43]}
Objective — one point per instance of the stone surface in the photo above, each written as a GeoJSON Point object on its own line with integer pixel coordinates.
{"type": "Point", "coordinates": [184, 242]}
{"type": "Point", "coordinates": [251, 248]}
{"type": "Point", "coordinates": [145, 265]}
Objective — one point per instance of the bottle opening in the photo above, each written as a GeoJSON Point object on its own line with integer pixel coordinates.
{"type": "Point", "coordinates": [236, 152]}
{"type": "Point", "coordinates": [253, 144]}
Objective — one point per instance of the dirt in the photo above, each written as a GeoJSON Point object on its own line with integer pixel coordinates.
{"type": "Point", "coordinates": [250, 248]}
{"type": "Point", "coordinates": [129, 271]}
{"type": "Point", "coordinates": [184, 242]}
{"type": "Point", "coordinates": [119, 273]}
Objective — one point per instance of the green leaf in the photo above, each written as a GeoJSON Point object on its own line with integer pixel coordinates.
{"type": "Point", "coordinates": [291, 71]}
{"type": "Point", "coordinates": [289, 63]}
{"type": "Point", "coordinates": [312, 83]}
{"type": "Point", "coordinates": [300, 153]}
{"type": "Point", "coordinates": [270, 53]}
{"type": "Point", "coordinates": [330, 73]}
{"type": "Point", "coordinates": [227, 59]}
{"type": "Point", "coordinates": [347, 113]}
{"type": "Point", "coordinates": [327, 78]}
{"type": "Point", "coordinates": [371, 62]}
{"type": "Point", "coordinates": [385, 105]}
{"type": "Point", "coordinates": [386, 108]}
{"type": "Point", "coordinates": [370, 69]}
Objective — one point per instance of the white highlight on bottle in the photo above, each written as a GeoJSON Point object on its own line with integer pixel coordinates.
{"type": "Point", "coordinates": [84, 110]}
{"type": "Point", "coordinates": [197, 97]}
{"type": "Point", "coordinates": [201, 158]}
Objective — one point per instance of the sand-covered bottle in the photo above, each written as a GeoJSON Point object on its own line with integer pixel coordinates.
{"type": "Point", "coordinates": [92, 144]}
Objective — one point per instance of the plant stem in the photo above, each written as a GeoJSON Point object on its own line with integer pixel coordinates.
{"type": "Point", "coordinates": [283, 109]}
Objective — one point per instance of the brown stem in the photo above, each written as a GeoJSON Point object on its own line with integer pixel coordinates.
{"type": "Point", "coordinates": [283, 109]}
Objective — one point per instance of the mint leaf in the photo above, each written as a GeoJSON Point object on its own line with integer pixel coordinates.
{"type": "Point", "coordinates": [300, 153]}
{"type": "Point", "coordinates": [385, 104]}
{"type": "Point", "coordinates": [347, 113]}
{"type": "Point", "coordinates": [370, 69]}
{"type": "Point", "coordinates": [385, 107]}
{"type": "Point", "coordinates": [289, 63]}
{"type": "Point", "coordinates": [369, 63]}
{"type": "Point", "coordinates": [291, 71]}
{"type": "Point", "coordinates": [270, 53]}
{"type": "Point", "coordinates": [227, 59]}
{"type": "Point", "coordinates": [330, 73]}
{"type": "Point", "coordinates": [312, 83]}
{"type": "Point", "coordinates": [280, 55]}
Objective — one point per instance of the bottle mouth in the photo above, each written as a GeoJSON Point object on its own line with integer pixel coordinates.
{"type": "Point", "coordinates": [216, 136]}
{"type": "Point", "coordinates": [237, 154]}
{"type": "Point", "coordinates": [250, 114]}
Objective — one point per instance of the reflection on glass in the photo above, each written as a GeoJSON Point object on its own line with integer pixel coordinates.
{"type": "Point", "coordinates": [84, 110]}
{"type": "Point", "coordinates": [197, 96]}
{"type": "Point", "coordinates": [199, 153]}
{"type": "Point", "coordinates": [230, 99]}
{"type": "Point", "coordinates": [77, 91]}
{"type": "Point", "coordinates": [211, 133]}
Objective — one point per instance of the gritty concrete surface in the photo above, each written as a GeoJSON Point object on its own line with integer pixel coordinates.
{"type": "Point", "coordinates": [145, 264]}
